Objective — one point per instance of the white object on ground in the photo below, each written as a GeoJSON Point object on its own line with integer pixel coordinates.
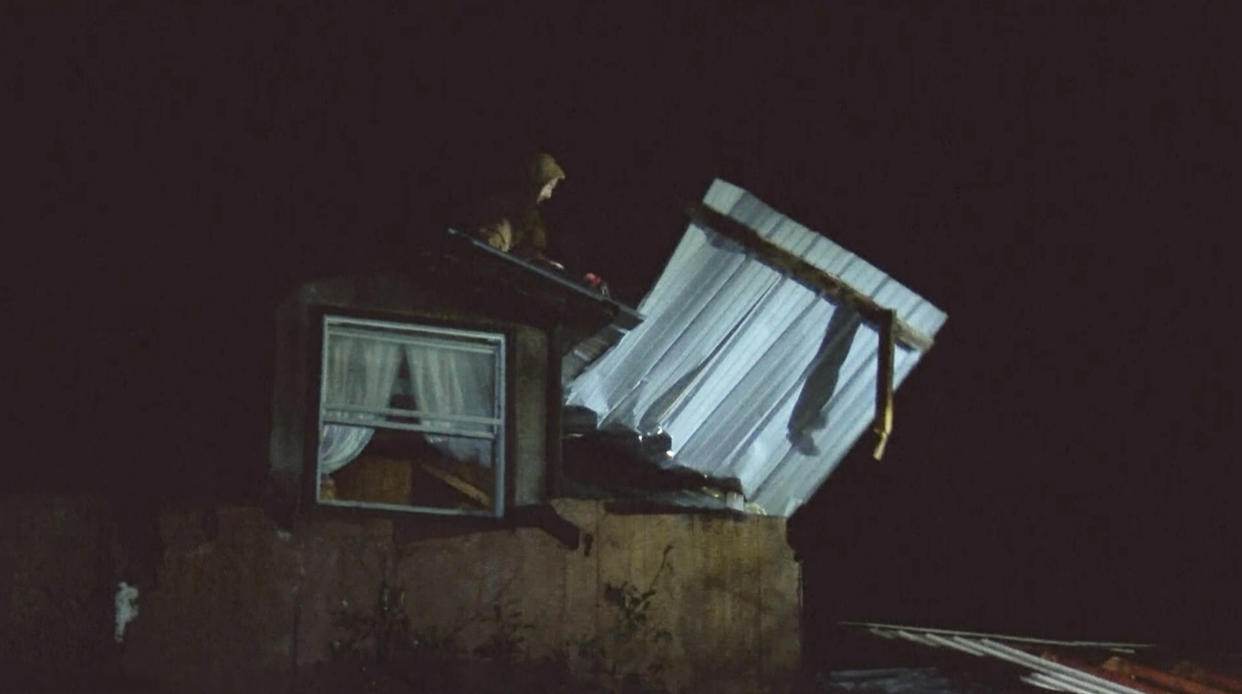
{"type": "Point", "coordinates": [126, 608]}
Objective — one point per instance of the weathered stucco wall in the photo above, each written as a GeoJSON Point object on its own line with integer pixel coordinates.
{"type": "Point", "coordinates": [55, 567]}
{"type": "Point", "coordinates": [241, 605]}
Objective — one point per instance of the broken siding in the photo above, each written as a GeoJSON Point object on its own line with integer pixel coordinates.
{"type": "Point", "coordinates": [756, 378]}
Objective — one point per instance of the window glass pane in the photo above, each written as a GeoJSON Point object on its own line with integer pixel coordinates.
{"type": "Point", "coordinates": [411, 417]}
{"type": "Point", "coordinates": [443, 480]}
{"type": "Point", "coordinates": [442, 380]}
{"type": "Point", "coordinates": [339, 444]}
{"type": "Point", "coordinates": [360, 372]}
{"type": "Point", "coordinates": [404, 468]}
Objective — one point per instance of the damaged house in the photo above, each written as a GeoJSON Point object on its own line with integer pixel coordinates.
{"type": "Point", "coordinates": [519, 466]}
{"type": "Point", "coordinates": [681, 433]}
{"type": "Point", "coordinates": [762, 354]}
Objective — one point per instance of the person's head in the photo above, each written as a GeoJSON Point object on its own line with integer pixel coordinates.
{"type": "Point", "coordinates": [545, 174]}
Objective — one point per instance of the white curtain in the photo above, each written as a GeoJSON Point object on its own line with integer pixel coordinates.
{"type": "Point", "coordinates": [450, 381]}
{"type": "Point", "coordinates": [360, 372]}
{"type": "Point", "coordinates": [443, 380]}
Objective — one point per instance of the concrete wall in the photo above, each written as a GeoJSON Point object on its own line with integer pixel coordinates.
{"type": "Point", "coordinates": [241, 605]}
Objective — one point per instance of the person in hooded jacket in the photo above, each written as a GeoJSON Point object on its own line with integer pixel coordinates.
{"type": "Point", "coordinates": [510, 220]}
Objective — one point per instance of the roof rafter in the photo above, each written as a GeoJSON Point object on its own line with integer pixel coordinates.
{"type": "Point", "coordinates": [808, 275]}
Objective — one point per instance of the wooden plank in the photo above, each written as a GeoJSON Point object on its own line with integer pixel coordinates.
{"type": "Point", "coordinates": [883, 425]}
{"type": "Point", "coordinates": [803, 272]}
{"type": "Point", "coordinates": [469, 490]}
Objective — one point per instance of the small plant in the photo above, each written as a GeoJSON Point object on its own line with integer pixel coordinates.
{"type": "Point", "coordinates": [372, 639]}
{"type": "Point", "coordinates": [376, 632]}
{"type": "Point", "coordinates": [623, 660]}
{"type": "Point", "coordinates": [380, 645]}
{"type": "Point", "coordinates": [508, 642]}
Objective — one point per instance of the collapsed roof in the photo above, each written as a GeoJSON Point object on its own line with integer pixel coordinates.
{"type": "Point", "coordinates": [759, 353]}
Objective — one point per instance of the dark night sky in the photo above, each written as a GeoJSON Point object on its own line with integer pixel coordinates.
{"type": "Point", "coordinates": [1060, 179]}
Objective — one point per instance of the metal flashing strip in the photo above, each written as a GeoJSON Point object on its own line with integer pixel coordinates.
{"type": "Point", "coordinates": [625, 316]}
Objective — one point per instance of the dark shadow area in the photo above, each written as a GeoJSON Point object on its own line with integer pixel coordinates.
{"type": "Point", "coordinates": [808, 413]}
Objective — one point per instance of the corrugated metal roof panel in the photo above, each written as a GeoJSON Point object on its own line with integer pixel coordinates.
{"type": "Point", "coordinates": [757, 378]}
{"type": "Point", "coordinates": [1072, 666]}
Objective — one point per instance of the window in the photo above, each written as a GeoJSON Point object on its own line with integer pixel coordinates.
{"type": "Point", "coordinates": [411, 417]}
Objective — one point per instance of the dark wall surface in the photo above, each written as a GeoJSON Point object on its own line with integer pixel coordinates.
{"type": "Point", "coordinates": [238, 604]}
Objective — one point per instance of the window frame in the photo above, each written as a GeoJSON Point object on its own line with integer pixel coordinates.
{"type": "Point", "coordinates": [498, 334]}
